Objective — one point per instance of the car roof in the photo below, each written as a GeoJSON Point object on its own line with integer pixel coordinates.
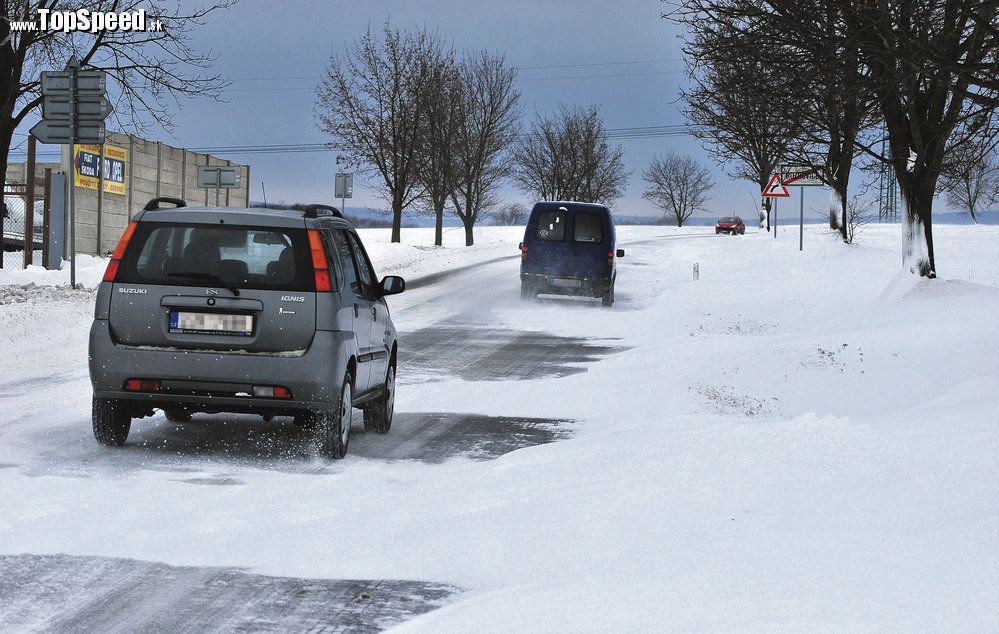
{"type": "Point", "coordinates": [571, 204]}
{"type": "Point", "coordinates": [258, 216]}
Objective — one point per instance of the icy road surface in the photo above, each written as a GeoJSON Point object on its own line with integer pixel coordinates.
{"type": "Point", "coordinates": [795, 441]}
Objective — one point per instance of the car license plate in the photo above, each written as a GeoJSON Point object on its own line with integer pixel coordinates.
{"type": "Point", "coordinates": [562, 282]}
{"type": "Point", "coordinates": [182, 322]}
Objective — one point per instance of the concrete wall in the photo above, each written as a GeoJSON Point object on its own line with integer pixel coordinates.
{"type": "Point", "coordinates": [152, 169]}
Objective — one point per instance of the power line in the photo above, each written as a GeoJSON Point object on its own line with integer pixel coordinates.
{"type": "Point", "coordinates": [613, 134]}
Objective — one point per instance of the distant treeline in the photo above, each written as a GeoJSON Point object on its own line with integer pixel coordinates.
{"type": "Point", "coordinates": [357, 221]}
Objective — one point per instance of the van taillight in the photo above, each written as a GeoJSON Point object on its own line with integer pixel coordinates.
{"type": "Point", "coordinates": [610, 258]}
{"type": "Point", "coordinates": [119, 252]}
{"type": "Point", "coordinates": [142, 385]}
{"type": "Point", "coordinates": [319, 264]}
{"type": "Point", "coordinates": [523, 253]}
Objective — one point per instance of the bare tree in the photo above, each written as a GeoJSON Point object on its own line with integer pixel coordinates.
{"type": "Point", "coordinates": [149, 71]}
{"type": "Point", "coordinates": [489, 125]}
{"type": "Point", "coordinates": [511, 214]}
{"type": "Point", "coordinates": [437, 159]}
{"type": "Point", "coordinates": [372, 101]}
{"type": "Point", "coordinates": [678, 185]}
{"type": "Point", "coordinates": [732, 105]}
{"type": "Point", "coordinates": [971, 180]}
{"type": "Point", "coordinates": [566, 157]}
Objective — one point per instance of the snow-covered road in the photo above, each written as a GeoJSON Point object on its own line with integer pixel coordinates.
{"type": "Point", "coordinates": [792, 442]}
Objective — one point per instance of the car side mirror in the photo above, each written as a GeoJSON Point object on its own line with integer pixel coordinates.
{"type": "Point", "coordinates": [520, 246]}
{"type": "Point", "coordinates": [392, 285]}
{"type": "Point", "coordinates": [620, 253]}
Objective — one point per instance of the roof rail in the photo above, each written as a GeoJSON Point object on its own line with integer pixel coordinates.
{"type": "Point", "coordinates": [155, 203]}
{"type": "Point", "coordinates": [312, 211]}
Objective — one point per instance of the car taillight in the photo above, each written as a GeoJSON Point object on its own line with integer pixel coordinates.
{"type": "Point", "coordinates": [271, 391]}
{"type": "Point", "coordinates": [610, 258]}
{"type": "Point", "coordinates": [142, 385]}
{"type": "Point", "coordinates": [319, 264]}
{"type": "Point", "coordinates": [523, 254]}
{"type": "Point", "coordinates": [112, 271]}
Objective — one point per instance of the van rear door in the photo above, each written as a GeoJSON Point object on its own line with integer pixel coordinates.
{"type": "Point", "coordinates": [212, 287]}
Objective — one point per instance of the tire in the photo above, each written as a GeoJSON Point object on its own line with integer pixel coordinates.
{"type": "Point", "coordinates": [177, 415]}
{"type": "Point", "coordinates": [607, 299]}
{"type": "Point", "coordinates": [111, 422]}
{"type": "Point", "coordinates": [378, 413]}
{"type": "Point", "coordinates": [332, 427]}
{"type": "Point", "coordinates": [528, 291]}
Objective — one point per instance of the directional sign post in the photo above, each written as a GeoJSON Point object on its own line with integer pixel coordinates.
{"type": "Point", "coordinates": [219, 177]}
{"type": "Point", "coordinates": [800, 176]}
{"type": "Point", "coordinates": [343, 188]}
{"type": "Point", "coordinates": [73, 111]}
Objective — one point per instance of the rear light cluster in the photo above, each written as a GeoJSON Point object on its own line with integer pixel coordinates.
{"type": "Point", "coordinates": [523, 253]}
{"type": "Point", "coordinates": [610, 258]}
{"type": "Point", "coordinates": [259, 391]}
{"type": "Point", "coordinates": [119, 252]}
{"type": "Point", "coordinates": [319, 264]}
{"type": "Point", "coordinates": [142, 385]}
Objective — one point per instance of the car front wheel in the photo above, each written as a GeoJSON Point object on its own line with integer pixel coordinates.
{"type": "Point", "coordinates": [378, 413]}
{"type": "Point", "coordinates": [111, 422]}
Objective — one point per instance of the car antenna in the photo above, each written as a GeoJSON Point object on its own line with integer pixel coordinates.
{"type": "Point", "coordinates": [264, 190]}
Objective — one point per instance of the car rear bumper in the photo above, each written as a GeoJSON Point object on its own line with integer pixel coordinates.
{"type": "Point", "coordinates": [567, 285]}
{"type": "Point", "coordinates": [220, 381]}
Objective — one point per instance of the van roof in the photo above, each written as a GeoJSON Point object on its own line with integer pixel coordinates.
{"type": "Point", "coordinates": [570, 204]}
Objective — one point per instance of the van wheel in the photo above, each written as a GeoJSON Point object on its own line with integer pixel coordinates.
{"type": "Point", "coordinates": [111, 422]}
{"type": "Point", "coordinates": [332, 427]}
{"type": "Point", "coordinates": [528, 291]}
{"type": "Point", "coordinates": [378, 413]}
{"type": "Point", "coordinates": [177, 415]}
{"type": "Point", "coordinates": [607, 299]}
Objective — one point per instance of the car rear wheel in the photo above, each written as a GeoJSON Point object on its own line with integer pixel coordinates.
{"type": "Point", "coordinates": [607, 299]}
{"type": "Point", "coordinates": [111, 422]}
{"type": "Point", "coordinates": [332, 427]}
{"type": "Point", "coordinates": [378, 413]}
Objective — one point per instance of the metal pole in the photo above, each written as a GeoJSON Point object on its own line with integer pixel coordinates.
{"type": "Point", "coordinates": [72, 179]}
{"type": "Point", "coordinates": [29, 207]}
{"type": "Point", "coordinates": [100, 196]}
{"type": "Point", "coordinates": [46, 215]}
{"type": "Point", "coordinates": [776, 200]}
{"type": "Point", "coordinates": [801, 218]}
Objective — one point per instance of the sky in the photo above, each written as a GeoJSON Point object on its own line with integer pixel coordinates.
{"type": "Point", "coordinates": [621, 57]}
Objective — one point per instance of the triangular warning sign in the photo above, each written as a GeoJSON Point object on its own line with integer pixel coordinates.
{"type": "Point", "coordinates": [775, 188]}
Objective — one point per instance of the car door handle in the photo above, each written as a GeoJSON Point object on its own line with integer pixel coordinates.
{"type": "Point", "coordinates": [374, 312]}
{"type": "Point", "coordinates": [357, 310]}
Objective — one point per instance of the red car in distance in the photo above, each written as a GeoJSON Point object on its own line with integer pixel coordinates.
{"type": "Point", "coordinates": [731, 225]}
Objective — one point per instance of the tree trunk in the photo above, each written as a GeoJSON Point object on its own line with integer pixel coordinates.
{"type": "Point", "coordinates": [916, 194]}
{"type": "Point", "coordinates": [469, 238]}
{"type": "Point", "coordinates": [439, 226]}
{"type": "Point", "coordinates": [396, 221]}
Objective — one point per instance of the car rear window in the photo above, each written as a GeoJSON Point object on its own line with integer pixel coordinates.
{"type": "Point", "coordinates": [588, 228]}
{"type": "Point", "coordinates": [247, 257]}
{"type": "Point", "coordinates": [551, 225]}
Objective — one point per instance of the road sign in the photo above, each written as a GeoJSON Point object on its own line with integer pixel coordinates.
{"type": "Point", "coordinates": [800, 176]}
{"type": "Point", "coordinates": [88, 108]}
{"type": "Point", "coordinates": [343, 186]}
{"type": "Point", "coordinates": [88, 82]}
{"type": "Point", "coordinates": [219, 176]}
{"type": "Point", "coordinates": [62, 132]}
{"type": "Point", "coordinates": [775, 188]}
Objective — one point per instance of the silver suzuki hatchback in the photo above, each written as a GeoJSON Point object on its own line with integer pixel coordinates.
{"type": "Point", "coordinates": [271, 312]}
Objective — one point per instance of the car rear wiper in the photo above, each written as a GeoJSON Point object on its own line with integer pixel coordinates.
{"type": "Point", "coordinates": [193, 275]}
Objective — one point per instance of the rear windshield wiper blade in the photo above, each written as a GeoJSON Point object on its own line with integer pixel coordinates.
{"type": "Point", "coordinates": [193, 275]}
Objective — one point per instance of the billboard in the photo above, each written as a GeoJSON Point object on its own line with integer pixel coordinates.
{"type": "Point", "coordinates": [86, 166]}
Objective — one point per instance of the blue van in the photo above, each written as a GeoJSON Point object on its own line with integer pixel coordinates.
{"type": "Point", "coordinates": [569, 249]}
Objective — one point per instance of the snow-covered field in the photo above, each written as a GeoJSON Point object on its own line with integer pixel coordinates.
{"type": "Point", "coordinates": [795, 441]}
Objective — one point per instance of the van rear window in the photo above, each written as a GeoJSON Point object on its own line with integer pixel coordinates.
{"type": "Point", "coordinates": [588, 228]}
{"type": "Point", "coordinates": [551, 225]}
{"type": "Point", "coordinates": [191, 255]}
